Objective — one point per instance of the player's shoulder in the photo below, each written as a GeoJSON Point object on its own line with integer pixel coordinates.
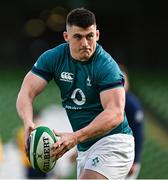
{"type": "Point", "coordinates": [59, 49]}
{"type": "Point", "coordinates": [103, 59]}
{"type": "Point", "coordinates": [100, 51]}
{"type": "Point", "coordinates": [51, 56]}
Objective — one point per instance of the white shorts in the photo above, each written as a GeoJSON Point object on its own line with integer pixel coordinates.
{"type": "Point", "coordinates": [111, 156]}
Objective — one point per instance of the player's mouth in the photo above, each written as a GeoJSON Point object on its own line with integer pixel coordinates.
{"type": "Point", "coordinates": [85, 50]}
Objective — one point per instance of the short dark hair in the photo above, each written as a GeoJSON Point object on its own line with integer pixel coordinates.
{"type": "Point", "coordinates": [81, 17]}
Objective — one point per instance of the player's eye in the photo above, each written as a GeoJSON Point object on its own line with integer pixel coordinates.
{"type": "Point", "coordinates": [77, 36]}
{"type": "Point", "coordinates": [90, 36]}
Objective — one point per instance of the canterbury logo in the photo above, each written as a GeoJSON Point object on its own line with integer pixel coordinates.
{"type": "Point", "coordinates": [66, 76]}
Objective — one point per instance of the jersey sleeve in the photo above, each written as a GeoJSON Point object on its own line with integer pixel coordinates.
{"type": "Point", "coordinates": [44, 66]}
{"type": "Point", "coordinates": [109, 75]}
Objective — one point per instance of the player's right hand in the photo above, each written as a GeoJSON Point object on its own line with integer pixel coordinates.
{"type": "Point", "coordinates": [27, 130]}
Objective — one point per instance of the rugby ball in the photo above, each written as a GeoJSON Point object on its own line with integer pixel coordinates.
{"type": "Point", "coordinates": [39, 148]}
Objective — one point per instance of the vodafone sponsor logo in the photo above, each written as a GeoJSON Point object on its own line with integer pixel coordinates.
{"type": "Point", "coordinates": [67, 76]}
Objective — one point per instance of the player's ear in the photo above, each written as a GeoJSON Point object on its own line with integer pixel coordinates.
{"type": "Point", "coordinates": [65, 35]}
{"type": "Point", "coordinates": [97, 35]}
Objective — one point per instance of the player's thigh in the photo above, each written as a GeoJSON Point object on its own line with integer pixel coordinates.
{"type": "Point", "coordinates": [110, 157]}
{"type": "Point", "coordinates": [89, 174]}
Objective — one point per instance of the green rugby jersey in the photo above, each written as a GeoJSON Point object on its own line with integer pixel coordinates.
{"type": "Point", "coordinates": [80, 84]}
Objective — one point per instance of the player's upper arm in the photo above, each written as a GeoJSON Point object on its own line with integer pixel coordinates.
{"type": "Point", "coordinates": [32, 85]}
{"type": "Point", "coordinates": [113, 101]}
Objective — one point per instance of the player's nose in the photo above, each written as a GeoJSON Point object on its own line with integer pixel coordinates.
{"type": "Point", "coordinates": [84, 42]}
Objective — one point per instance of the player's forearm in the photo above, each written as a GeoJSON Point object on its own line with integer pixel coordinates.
{"type": "Point", "coordinates": [103, 123]}
{"type": "Point", "coordinates": [24, 108]}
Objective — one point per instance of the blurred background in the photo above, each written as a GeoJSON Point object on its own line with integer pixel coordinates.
{"type": "Point", "coordinates": [133, 31]}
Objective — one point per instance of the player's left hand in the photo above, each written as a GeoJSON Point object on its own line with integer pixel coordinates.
{"type": "Point", "coordinates": [65, 143]}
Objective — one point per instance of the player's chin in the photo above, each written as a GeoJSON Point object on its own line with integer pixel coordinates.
{"type": "Point", "coordinates": [85, 57]}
